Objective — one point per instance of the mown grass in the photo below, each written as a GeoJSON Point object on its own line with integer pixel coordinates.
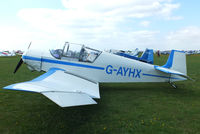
{"type": "Point", "coordinates": [143, 108]}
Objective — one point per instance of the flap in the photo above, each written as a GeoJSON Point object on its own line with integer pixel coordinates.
{"type": "Point", "coordinates": [56, 84]}
{"type": "Point", "coordinates": [69, 99]}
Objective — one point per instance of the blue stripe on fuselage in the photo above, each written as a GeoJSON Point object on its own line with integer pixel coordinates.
{"type": "Point", "coordinates": [31, 58]}
{"type": "Point", "coordinates": [82, 65]}
{"type": "Point", "coordinates": [62, 62]}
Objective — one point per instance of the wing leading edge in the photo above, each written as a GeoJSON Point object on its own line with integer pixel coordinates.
{"type": "Point", "coordinates": [62, 88]}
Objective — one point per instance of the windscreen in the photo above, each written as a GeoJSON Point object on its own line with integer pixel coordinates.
{"type": "Point", "coordinates": [76, 52]}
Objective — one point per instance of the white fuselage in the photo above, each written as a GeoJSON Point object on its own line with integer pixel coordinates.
{"type": "Point", "coordinates": [107, 68]}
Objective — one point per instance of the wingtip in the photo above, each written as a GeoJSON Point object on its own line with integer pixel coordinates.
{"type": "Point", "coordinates": [10, 87]}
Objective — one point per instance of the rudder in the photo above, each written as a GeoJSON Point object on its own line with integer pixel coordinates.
{"type": "Point", "coordinates": [177, 61]}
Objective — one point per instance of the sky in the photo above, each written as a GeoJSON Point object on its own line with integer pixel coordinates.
{"type": "Point", "coordinates": [100, 24]}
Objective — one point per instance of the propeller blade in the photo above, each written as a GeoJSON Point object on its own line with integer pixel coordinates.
{"type": "Point", "coordinates": [29, 45]}
{"type": "Point", "coordinates": [18, 65]}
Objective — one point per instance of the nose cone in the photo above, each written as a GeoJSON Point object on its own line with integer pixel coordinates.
{"type": "Point", "coordinates": [33, 54]}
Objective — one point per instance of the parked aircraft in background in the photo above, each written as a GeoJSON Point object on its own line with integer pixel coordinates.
{"type": "Point", "coordinates": [73, 73]}
{"type": "Point", "coordinates": [7, 53]}
{"type": "Point", "coordinates": [19, 52]}
{"type": "Point", "coordinates": [129, 52]}
{"type": "Point", "coordinates": [147, 56]}
{"type": "Point", "coordinates": [134, 53]}
{"type": "Point", "coordinates": [191, 52]}
{"type": "Point", "coordinates": [188, 52]}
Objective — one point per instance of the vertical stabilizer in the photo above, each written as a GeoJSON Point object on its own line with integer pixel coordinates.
{"type": "Point", "coordinates": [147, 56]}
{"type": "Point", "coordinates": [177, 61]}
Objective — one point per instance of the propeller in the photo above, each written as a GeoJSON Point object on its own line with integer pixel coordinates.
{"type": "Point", "coordinates": [21, 61]}
{"type": "Point", "coordinates": [29, 45]}
{"type": "Point", "coordinates": [18, 65]}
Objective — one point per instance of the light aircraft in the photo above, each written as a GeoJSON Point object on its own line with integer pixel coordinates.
{"type": "Point", "coordinates": [134, 53]}
{"type": "Point", "coordinates": [73, 73]}
{"type": "Point", "coordinates": [147, 56]}
{"type": "Point", "coordinates": [7, 53]}
{"type": "Point", "coordinates": [18, 52]}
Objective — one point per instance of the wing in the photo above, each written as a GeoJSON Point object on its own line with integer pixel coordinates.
{"type": "Point", "coordinates": [65, 89]}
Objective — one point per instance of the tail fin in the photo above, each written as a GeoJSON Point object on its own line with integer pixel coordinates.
{"type": "Point", "coordinates": [177, 61]}
{"type": "Point", "coordinates": [147, 56]}
{"type": "Point", "coordinates": [176, 64]}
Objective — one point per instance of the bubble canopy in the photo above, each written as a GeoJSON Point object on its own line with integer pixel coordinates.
{"type": "Point", "coordinates": [75, 52]}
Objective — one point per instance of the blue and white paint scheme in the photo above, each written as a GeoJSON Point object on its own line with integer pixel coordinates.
{"type": "Point", "coordinates": [73, 73]}
{"type": "Point", "coordinates": [147, 56]}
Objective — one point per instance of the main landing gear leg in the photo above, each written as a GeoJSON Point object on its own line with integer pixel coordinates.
{"type": "Point", "coordinates": [173, 84]}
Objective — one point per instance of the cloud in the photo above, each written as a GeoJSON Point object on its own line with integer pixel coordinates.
{"type": "Point", "coordinates": [103, 25]}
{"type": "Point", "coordinates": [18, 38]}
{"type": "Point", "coordinates": [125, 8]}
{"type": "Point", "coordinates": [12, 37]}
{"type": "Point", "coordinates": [128, 40]}
{"type": "Point", "coordinates": [187, 38]}
{"type": "Point", "coordinates": [89, 21]}
{"type": "Point", "coordinates": [145, 23]}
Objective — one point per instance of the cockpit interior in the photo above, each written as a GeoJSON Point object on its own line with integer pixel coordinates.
{"type": "Point", "coordinates": [76, 52]}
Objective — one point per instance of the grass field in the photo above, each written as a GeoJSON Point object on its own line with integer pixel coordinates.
{"type": "Point", "coordinates": [142, 108]}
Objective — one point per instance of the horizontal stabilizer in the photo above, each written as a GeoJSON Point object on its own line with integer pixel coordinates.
{"type": "Point", "coordinates": [175, 65]}
{"type": "Point", "coordinates": [170, 71]}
